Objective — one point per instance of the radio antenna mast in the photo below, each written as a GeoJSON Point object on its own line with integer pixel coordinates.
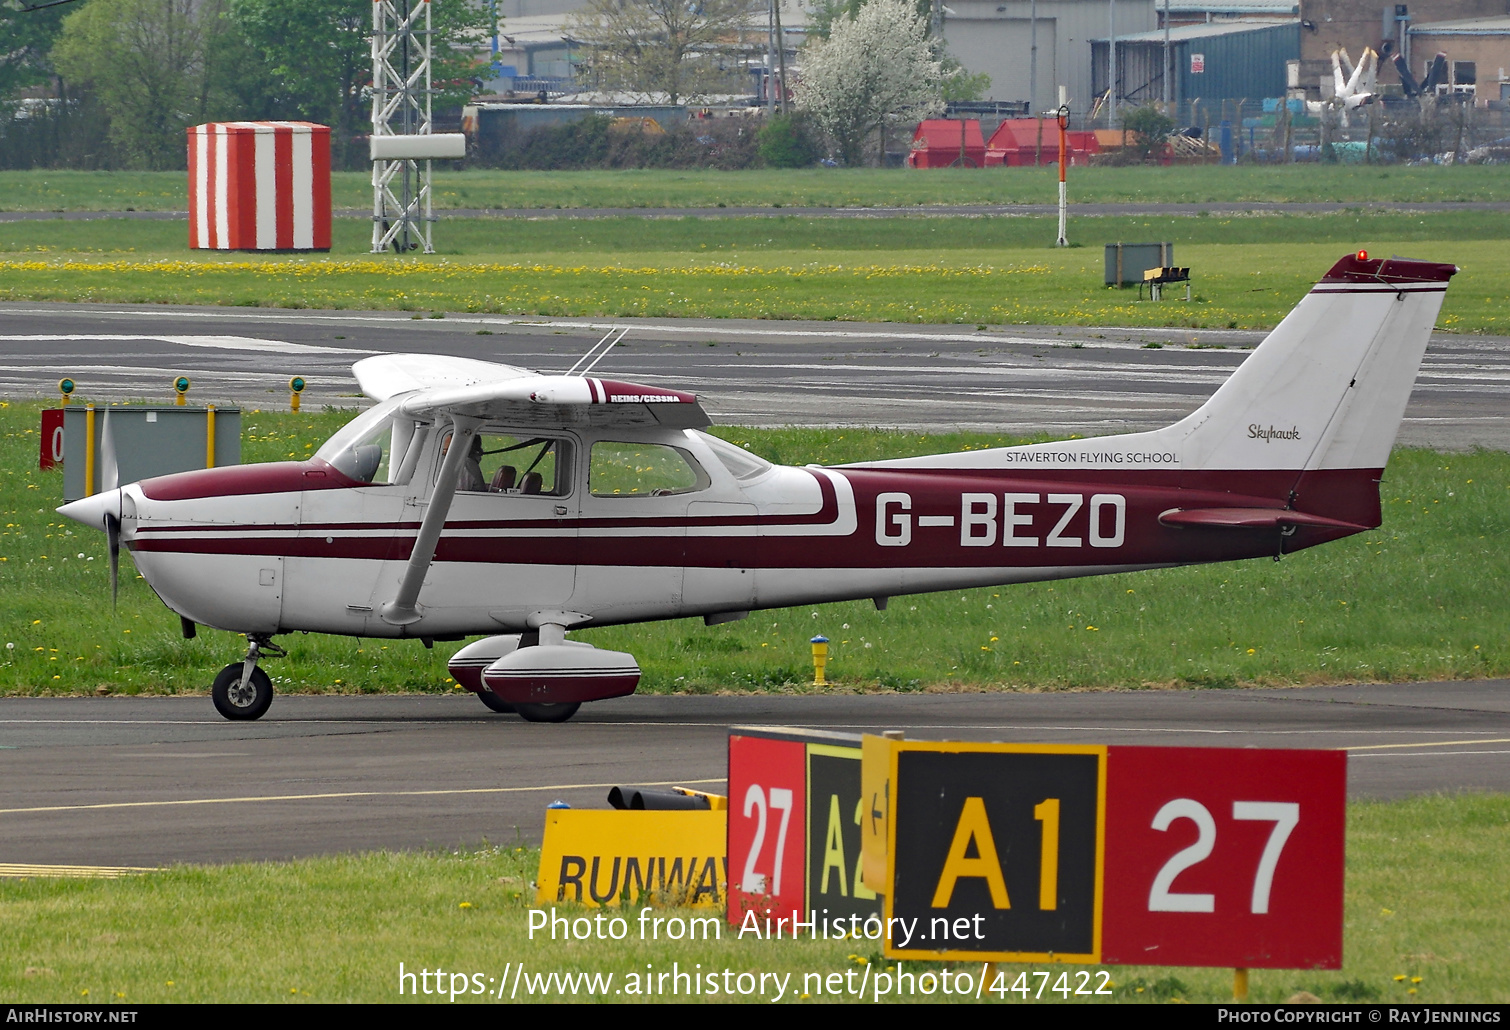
{"type": "Point", "coordinates": [601, 354]}
{"type": "Point", "coordinates": [401, 216]}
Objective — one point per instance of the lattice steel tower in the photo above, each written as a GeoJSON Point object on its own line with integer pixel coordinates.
{"type": "Point", "coordinates": [401, 92]}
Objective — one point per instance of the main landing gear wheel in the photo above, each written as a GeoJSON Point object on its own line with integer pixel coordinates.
{"type": "Point", "coordinates": [235, 701]}
{"type": "Point", "coordinates": [558, 712]}
{"type": "Point", "coordinates": [494, 702]}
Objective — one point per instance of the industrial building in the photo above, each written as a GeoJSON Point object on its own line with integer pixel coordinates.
{"type": "Point", "coordinates": [1478, 54]}
{"type": "Point", "coordinates": [997, 38]}
{"type": "Point", "coordinates": [1229, 60]}
{"type": "Point", "coordinates": [1328, 25]}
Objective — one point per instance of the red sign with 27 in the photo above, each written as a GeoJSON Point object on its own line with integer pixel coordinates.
{"type": "Point", "coordinates": [767, 828]}
{"type": "Point", "coordinates": [1224, 857]}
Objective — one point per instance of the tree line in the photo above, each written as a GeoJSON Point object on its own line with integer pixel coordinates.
{"type": "Point", "coordinates": [114, 83]}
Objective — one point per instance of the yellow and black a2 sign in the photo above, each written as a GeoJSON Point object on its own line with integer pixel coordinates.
{"type": "Point", "coordinates": [995, 848]}
{"type": "Point", "coordinates": [835, 815]}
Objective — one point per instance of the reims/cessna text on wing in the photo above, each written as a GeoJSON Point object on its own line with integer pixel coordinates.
{"type": "Point", "coordinates": [476, 498]}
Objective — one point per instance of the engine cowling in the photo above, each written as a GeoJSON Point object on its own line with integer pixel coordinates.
{"type": "Point", "coordinates": [556, 673]}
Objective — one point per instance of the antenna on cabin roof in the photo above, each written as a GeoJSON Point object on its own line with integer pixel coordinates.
{"type": "Point", "coordinates": [607, 343]}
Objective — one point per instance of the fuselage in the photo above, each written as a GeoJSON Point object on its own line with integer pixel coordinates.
{"type": "Point", "coordinates": [307, 546]}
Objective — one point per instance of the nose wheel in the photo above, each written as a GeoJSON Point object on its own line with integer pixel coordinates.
{"type": "Point", "coordinates": [243, 691]}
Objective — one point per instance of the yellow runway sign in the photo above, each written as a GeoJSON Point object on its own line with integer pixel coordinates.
{"type": "Point", "coordinates": [606, 858]}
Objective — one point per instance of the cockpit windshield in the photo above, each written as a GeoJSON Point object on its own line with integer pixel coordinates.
{"type": "Point", "coordinates": [365, 447]}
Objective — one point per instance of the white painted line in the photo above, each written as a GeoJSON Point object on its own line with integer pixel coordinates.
{"type": "Point", "coordinates": [876, 333]}
{"type": "Point", "coordinates": [1433, 754]}
{"type": "Point", "coordinates": [339, 795]}
{"type": "Point", "coordinates": [1439, 743]}
{"type": "Point", "coordinates": [243, 343]}
{"type": "Point", "coordinates": [155, 373]}
{"type": "Point", "coordinates": [191, 754]}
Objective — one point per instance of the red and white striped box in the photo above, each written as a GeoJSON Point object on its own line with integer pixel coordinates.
{"type": "Point", "coordinates": [259, 186]}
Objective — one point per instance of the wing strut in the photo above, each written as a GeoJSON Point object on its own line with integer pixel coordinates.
{"type": "Point", "coordinates": [403, 610]}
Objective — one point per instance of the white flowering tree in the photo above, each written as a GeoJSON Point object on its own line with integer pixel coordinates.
{"type": "Point", "coordinates": [877, 65]}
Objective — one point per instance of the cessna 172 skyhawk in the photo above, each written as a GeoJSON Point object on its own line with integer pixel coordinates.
{"type": "Point", "coordinates": [477, 498]}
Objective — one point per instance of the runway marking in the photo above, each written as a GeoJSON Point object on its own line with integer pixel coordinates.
{"type": "Point", "coordinates": [1436, 743]}
{"type": "Point", "coordinates": [248, 343]}
{"type": "Point", "coordinates": [1433, 754]}
{"type": "Point", "coordinates": [341, 794]}
{"type": "Point", "coordinates": [97, 872]}
{"type": "Point", "coordinates": [695, 330]}
{"type": "Point", "coordinates": [193, 754]}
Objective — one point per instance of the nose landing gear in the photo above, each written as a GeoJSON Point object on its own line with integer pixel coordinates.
{"type": "Point", "coordinates": [242, 690]}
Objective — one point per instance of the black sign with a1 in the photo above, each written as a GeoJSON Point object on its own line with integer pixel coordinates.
{"type": "Point", "coordinates": [995, 851]}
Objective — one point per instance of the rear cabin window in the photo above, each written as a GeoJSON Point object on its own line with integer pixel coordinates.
{"type": "Point", "coordinates": [642, 470]}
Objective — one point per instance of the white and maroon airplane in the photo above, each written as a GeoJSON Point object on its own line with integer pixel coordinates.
{"type": "Point", "coordinates": [480, 499]}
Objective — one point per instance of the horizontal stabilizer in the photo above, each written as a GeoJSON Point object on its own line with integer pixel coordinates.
{"type": "Point", "coordinates": [1251, 518]}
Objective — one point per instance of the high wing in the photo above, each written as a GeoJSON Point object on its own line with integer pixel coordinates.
{"type": "Point", "coordinates": [388, 375]}
{"type": "Point", "coordinates": [439, 385]}
{"type": "Point", "coordinates": [468, 393]}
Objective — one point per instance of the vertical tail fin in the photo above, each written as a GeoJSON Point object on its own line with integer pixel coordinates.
{"type": "Point", "coordinates": [1307, 420]}
{"type": "Point", "coordinates": [1327, 388]}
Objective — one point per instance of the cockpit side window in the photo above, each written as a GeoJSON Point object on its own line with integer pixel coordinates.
{"type": "Point", "coordinates": [503, 463]}
{"type": "Point", "coordinates": [628, 469]}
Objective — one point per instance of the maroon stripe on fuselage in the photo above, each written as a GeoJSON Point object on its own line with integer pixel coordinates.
{"type": "Point", "coordinates": [936, 496]}
{"type": "Point", "coordinates": [1348, 495]}
{"type": "Point", "coordinates": [273, 477]}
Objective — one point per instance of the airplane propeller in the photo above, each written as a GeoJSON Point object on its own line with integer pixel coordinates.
{"type": "Point", "coordinates": [113, 540]}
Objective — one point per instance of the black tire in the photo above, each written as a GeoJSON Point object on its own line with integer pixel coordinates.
{"type": "Point", "coordinates": [494, 702]}
{"type": "Point", "coordinates": [558, 712]}
{"type": "Point", "coordinates": [232, 702]}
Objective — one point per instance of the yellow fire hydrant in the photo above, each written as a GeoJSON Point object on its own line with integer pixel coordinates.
{"type": "Point", "coordinates": [820, 659]}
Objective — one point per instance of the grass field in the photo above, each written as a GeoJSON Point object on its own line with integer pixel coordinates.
{"type": "Point", "coordinates": [1427, 919]}
{"type": "Point", "coordinates": [957, 270]}
{"type": "Point", "coordinates": [855, 187]}
{"type": "Point", "coordinates": [1420, 598]}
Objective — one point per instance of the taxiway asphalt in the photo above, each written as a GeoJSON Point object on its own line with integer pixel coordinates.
{"type": "Point", "coordinates": [154, 781]}
{"type": "Point", "coordinates": [116, 781]}
{"type": "Point", "coordinates": [1017, 380]}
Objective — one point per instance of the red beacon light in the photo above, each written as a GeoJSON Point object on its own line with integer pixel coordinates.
{"type": "Point", "coordinates": [1363, 255]}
